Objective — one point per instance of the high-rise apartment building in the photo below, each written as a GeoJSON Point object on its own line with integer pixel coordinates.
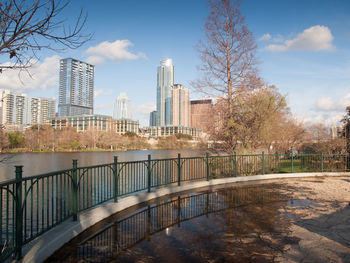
{"type": "Point", "coordinates": [19, 109]}
{"type": "Point", "coordinates": [122, 107]}
{"type": "Point", "coordinates": [76, 88]}
{"type": "Point", "coordinates": [46, 109]}
{"type": "Point", "coordinates": [180, 105]}
{"type": "Point", "coordinates": [15, 108]}
{"type": "Point", "coordinates": [42, 109]}
{"type": "Point", "coordinates": [165, 81]}
{"type": "Point", "coordinates": [202, 114]}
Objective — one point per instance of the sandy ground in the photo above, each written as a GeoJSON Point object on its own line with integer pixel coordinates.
{"type": "Point", "coordinates": [321, 222]}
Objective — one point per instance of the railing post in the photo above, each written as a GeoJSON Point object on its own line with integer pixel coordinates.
{"type": "Point", "coordinates": [19, 213]}
{"type": "Point", "coordinates": [115, 178]}
{"type": "Point", "coordinates": [178, 211]}
{"type": "Point", "coordinates": [207, 163]}
{"type": "Point", "coordinates": [321, 162]}
{"type": "Point", "coordinates": [292, 160]}
{"type": "Point", "coordinates": [149, 170]}
{"type": "Point", "coordinates": [236, 165]}
{"type": "Point", "coordinates": [263, 162]}
{"type": "Point", "coordinates": [75, 190]}
{"type": "Point", "coordinates": [178, 169]}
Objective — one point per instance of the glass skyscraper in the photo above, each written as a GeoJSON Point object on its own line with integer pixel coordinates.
{"type": "Point", "coordinates": [165, 81]}
{"type": "Point", "coordinates": [76, 88]}
{"type": "Point", "coordinates": [122, 107]}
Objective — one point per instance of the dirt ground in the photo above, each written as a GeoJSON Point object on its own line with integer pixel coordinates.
{"type": "Point", "coordinates": [321, 222]}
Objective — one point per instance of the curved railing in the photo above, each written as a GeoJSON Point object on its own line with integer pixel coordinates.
{"type": "Point", "coordinates": [30, 206]}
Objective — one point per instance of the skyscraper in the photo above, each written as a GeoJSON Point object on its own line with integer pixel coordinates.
{"type": "Point", "coordinates": [180, 105]}
{"type": "Point", "coordinates": [165, 81]}
{"type": "Point", "coordinates": [76, 88]}
{"type": "Point", "coordinates": [153, 118]}
{"type": "Point", "coordinates": [122, 107]}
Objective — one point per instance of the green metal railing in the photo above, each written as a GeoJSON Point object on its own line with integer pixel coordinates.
{"type": "Point", "coordinates": [30, 206]}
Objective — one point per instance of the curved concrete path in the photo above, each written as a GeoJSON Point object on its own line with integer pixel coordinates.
{"type": "Point", "coordinates": [45, 245]}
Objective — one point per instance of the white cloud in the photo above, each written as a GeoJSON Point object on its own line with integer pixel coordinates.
{"type": "Point", "coordinates": [43, 76]}
{"type": "Point", "coordinates": [265, 37]}
{"type": "Point", "coordinates": [329, 104]}
{"type": "Point", "coordinates": [323, 118]}
{"type": "Point", "coordinates": [141, 112]}
{"type": "Point", "coordinates": [104, 106]}
{"type": "Point", "coordinates": [95, 60]}
{"type": "Point", "coordinates": [325, 103]}
{"type": "Point", "coordinates": [315, 38]}
{"type": "Point", "coordinates": [145, 108]}
{"type": "Point", "coordinates": [99, 92]}
{"type": "Point", "coordinates": [278, 38]}
{"type": "Point", "coordinates": [116, 51]}
{"type": "Point", "coordinates": [328, 111]}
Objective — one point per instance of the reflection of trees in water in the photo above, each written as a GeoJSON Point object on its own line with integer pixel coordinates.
{"type": "Point", "coordinates": [142, 224]}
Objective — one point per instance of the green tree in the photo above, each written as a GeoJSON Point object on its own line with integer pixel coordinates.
{"type": "Point", "coordinates": [15, 138]}
{"type": "Point", "coordinates": [251, 121]}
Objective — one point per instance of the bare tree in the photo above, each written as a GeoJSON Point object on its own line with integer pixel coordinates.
{"type": "Point", "coordinates": [287, 135]}
{"type": "Point", "coordinates": [346, 130]}
{"type": "Point", "coordinates": [29, 26]}
{"type": "Point", "coordinates": [227, 54]}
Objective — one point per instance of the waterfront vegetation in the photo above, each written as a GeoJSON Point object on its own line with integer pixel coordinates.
{"type": "Point", "coordinates": [44, 138]}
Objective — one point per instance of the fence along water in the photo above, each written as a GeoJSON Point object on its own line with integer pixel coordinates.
{"type": "Point", "coordinates": [33, 205]}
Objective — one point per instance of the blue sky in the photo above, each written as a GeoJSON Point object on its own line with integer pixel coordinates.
{"type": "Point", "coordinates": [303, 49]}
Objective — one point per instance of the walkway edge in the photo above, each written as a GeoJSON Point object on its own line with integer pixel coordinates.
{"type": "Point", "coordinates": [45, 245]}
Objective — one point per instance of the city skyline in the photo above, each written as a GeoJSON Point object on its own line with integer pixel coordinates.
{"type": "Point", "coordinates": [306, 54]}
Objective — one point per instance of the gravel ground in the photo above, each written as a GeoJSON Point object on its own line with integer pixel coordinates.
{"type": "Point", "coordinates": [321, 222]}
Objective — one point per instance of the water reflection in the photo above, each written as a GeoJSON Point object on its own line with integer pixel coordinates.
{"type": "Point", "coordinates": [228, 223]}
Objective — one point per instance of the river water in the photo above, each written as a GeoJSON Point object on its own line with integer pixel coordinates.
{"type": "Point", "coordinates": [39, 163]}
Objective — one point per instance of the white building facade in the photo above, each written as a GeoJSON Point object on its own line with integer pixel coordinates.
{"type": "Point", "coordinates": [19, 109]}
{"type": "Point", "coordinates": [181, 107]}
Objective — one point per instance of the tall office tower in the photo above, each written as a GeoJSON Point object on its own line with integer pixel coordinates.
{"type": "Point", "coordinates": [76, 88]}
{"type": "Point", "coordinates": [153, 118]}
{"type": "Point", "coordinates": [202, 113]}
{"type": "Point", "coordinates": [180, 105]}
{"type": "Point", "coordinates": [165, 81]}
{"type": "Point", "coordinates": [122, 107]}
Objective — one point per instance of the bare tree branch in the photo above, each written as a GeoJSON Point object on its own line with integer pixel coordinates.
{"type": "Point", "coordinates": [27, 27]}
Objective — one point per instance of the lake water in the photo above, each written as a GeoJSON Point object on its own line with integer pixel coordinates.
{"type": "Point", "coordinates": [39, 163]}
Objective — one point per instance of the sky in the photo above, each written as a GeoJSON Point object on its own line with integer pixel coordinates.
{"type": "Point", "coordinates": [303, 49]}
